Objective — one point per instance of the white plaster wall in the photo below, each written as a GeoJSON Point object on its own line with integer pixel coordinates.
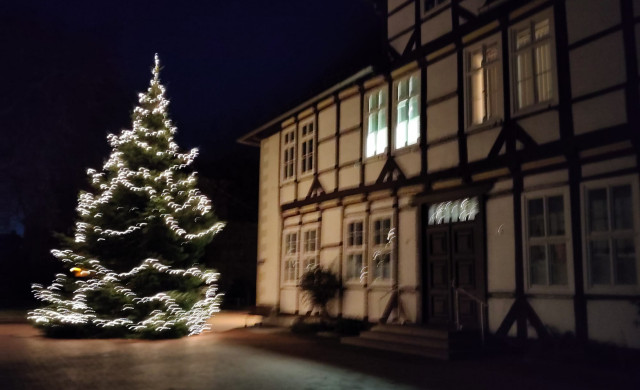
{"type": "Point", "coordinates": [407, 247]}
{"type": "Point", "coordinates": [558, 314]}
{"type": "Point", "coordinates": [288, 193]}
{"type": "Point", "coordinates": [304, 185]}
{"type": "Point", "coordinates": [600, 112]}
{"type": "Point", "coordinates": [378, 300]}
{"type": "Point", "coordinates": [587, 17]}
{"type": "Point", "coordinates": [401, 20]}
{"type": "Point", "coordinates": [393, 4]}
{"type": "Point", "coordinates": [400, 43]}
{"type": "Point", "coordinates": [500, 245]}
{"type": "Point", "coordinates": [288, 299]}
{"type": "Point", "coordinates": [410, 306]}
{"type": "Point", "coordinates": [546, 179]}
{"type": "Point", "coordinates": [350, 112]}
{"type": "Point", "coordinates": [372, 170]}
{"type": "Point", "coordinates": [349, 176]}
{"type": "Point", "coordinates": [350, 147]}
{"type": "Point", "coordinates": [442, 119]}
{"type": "Point", "coordinates": [542, 128]}
{"type": "Point", "coordinates": [611, 165]}
{"type": "Point", "coordinates": [327, 122]}
{"type": "Point", "coordinates": [330, 257]}
{"type": "Point", "coordinates": [436, 27]}
{"type": "Point", "coordinates": [310, 217]}
{"type": "Point", "coordinates": [479, 144]}
{"type": "Point", "coordinates": [497, 311]}
{"type": "Point", "coordinates": [442, 77]}
{"type": "Point", "coordinates": [356, 208]}
{"type": "Point", "coordinates": [442, 156]}
{"type": "Point", "coordinates": [326, 154]}
{"type": "Point", "coordinates": [353, 303]}
{"type": "Point", "coordinates": [330, 219]}
{"type": "Point", "coordinates": [382, 204]}
{"type": "Point", "coordinates": [409, 163]}
{"type": "Point", "coordinates": [267, 284]}
{"type": "Point", "coordinates": [614, 322]}
{"type": "Point", "coordinates": [328, 181]}
{"type": "Point", "coordinates": [597, 65]}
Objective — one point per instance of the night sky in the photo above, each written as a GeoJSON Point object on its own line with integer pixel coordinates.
{"type": "Point", "coordinates": [70, 72]}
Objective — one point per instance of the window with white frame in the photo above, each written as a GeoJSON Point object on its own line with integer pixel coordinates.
{"type": "Point", "coordinates": [407, 102]}
{"type": "Point", "coordinates": [547, 243]}
{"type": "Point", "coordinates": [309, 252]}
{"type": "Point", "coordinates": [376, 115]}
{"type": "Point", "coordinates": [382, 241]}
{"type": "Point", "coordinates": [532, 43]}
{"type": "Point", "coordinates": [307, 150]}
{"type": "Point", "coordinates": [611, 232]}
{"type": "Point", "coordinates": [483, 83]}
{"type": "Point", "coordinates": [289, 154]}
{"type": "Point", "coordinates": [355, 271]}
{"type": "Point", "coordinates": [290, 257]}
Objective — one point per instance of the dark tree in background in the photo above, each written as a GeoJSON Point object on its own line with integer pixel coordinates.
{"type": "Point", "coordinates": [132, 262]}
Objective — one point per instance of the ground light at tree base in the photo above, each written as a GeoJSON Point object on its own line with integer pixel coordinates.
{"type": "Point", "coordinates": [132, 259]}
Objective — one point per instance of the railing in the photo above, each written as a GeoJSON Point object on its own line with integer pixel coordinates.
{"type": "Point", "coordinates": [481, 303]}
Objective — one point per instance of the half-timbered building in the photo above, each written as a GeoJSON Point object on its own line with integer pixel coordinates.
{"type": "Point", "coordinates": [488, 177]}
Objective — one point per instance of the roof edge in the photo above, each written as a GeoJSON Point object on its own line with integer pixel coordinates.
{"type": "Point", "coordinates": [252, 138]}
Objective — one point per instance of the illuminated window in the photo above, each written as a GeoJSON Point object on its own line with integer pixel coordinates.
{"type": "Point", "coordinates": [290, 257]}
{"type": "Point", "coordinates": [407, 100]}
{"type": "Point", "coordinates": [376, 115]}
{"type": "Point", "coordinates": [547, 238]}
{"type": "Point", "coordinates": [533, 62]}
{"type": "Point", "coordinates": [382, 241]}
{"type": "Point", "coordinates": [289, 155]}
{"type": "Point", "coordinates": [459, 210]}
{"type": "Point", "coordinates": [355, 271]}
{"type": "Point", "coordinates": [306, 147]}
{"type": "Point", "coordinates": [309, 249]}
{"type": "Point", "coordinates": [483, 84]}
{"type": "Point", "coordinates": [611, 231]}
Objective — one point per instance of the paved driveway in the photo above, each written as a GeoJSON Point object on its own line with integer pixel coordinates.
{"type": "Point", "coordinates": [265, 358]}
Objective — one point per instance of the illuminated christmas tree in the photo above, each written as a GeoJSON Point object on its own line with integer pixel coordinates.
{"type": "Point", "coordinates": [132, 261]}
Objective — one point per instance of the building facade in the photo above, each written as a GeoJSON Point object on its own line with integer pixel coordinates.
{"type": "Point", "coordinates": [494, 160]}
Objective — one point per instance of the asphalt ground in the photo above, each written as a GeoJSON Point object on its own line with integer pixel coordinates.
{"type": "Point", "coordinates": [233, 356]}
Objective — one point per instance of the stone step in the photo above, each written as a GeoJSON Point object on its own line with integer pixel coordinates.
{"type": "Point", "coordinates": [429, 342]}
{"type": "Point", "coordinates": [435, 353]}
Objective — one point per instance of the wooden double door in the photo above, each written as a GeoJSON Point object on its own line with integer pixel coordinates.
{"type": "Point", "coordinates": [453, 257]}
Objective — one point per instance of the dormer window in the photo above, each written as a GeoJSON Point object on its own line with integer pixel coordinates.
{"type": "Point", "coordinates": [376, 122]}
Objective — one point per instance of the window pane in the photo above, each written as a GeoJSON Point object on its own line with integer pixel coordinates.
{"type": "Point", "coordinates": [621, 208]}
{"type": "Point", "coordinates": [414, 85]}
{"type": "Point", "coordinates": [382, 98]}
{"type": "Point", "coordinates": [476, 83]}
{"type": "Point", "coordinates": [555, 219]}
{"type": "Point", "coordinates": [373, 102]}
{"type": "Point", "coordinates": [491, 53]}
{"type": "Point", "coordinates": [543, 72]}
{"type": "Point", "coordinates": [382, 266]}
{"type": "Point", "coordinates": [357, 239]}
{"type": "Point", "coordinates": [403, 89]}
{"type": "Point", "coordinates": [625, 261]}
{"type": "Point", "coordinates": [558, 264]}
{"type": "Point", "coordinates": [597, 210]}
{"type": "Point", "coordinates": [373, 123]}
{"type": "Point", "coordinates": [381, 140]}
{"type": "Point", "coordinates": [536, 217]}
{"type": "Point", "coordinates": [413, 132]}
{"type": "Point", "coordinates": [371, 144]}
{"type": "Point", "coordinates": [475, 60]}
{"type": "Point", "coordinates": [493, 91]}
{"type": "Point", "coordinates": [541, 29]}
{"type": "Point", "coordinates": [537, 265]}
{"type": "Point", "coordinates": [600, 266]}
{"type": "Point", "coordinates": [354, 266]}
{"type": "Point", "coordinates": [523, 38]}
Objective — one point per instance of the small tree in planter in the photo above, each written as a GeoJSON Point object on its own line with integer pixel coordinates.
{"type": "Point", "coordinates": [320, 285]}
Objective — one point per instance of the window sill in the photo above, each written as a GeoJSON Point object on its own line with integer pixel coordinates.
{"type": "Point", "coordinates": [551, 290]}
{"type": "Point", "coordinates": [534, 109]}
{"type": "Point", "coordinates": [613, 290]}
{"type": "Point", "coordinates": [489, 124]}
{"type": "Point", "coordinates": [377, 157]}
{"type": "Point", "coordinates": [407, 149]}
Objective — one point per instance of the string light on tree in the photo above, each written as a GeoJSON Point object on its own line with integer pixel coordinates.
{"type": "Point", "coordinates": [132, 258]}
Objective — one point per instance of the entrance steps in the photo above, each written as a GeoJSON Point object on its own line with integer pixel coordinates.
{"type": "Point", "coordinates": [437, 343]}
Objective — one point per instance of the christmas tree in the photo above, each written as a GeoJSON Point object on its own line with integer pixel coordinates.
{"type": "Point", "coordinates": [132, 260]}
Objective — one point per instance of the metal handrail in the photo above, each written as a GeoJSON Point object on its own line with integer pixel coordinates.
{"type": "Point", "coordinates": [483, 304]}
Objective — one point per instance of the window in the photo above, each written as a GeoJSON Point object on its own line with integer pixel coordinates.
{"type": "Point", "coordinates": [383, 236]}
{"type": "Point", "coordinates": [289, 155]}
{"type": "Point", "coordinates": [483, 83]}
{"type": "Point", "coordinates": [306, 147]}
{"type": "Point", "coordinates": [407, 94]}
{"type": "Point", "coordinates": [533, 62]}
{"type": "Point", "coordinates": [355, 269]}
{"type": "Point", "coordinates": [376, 122]}
{"type": "Point", "coordinates": [290, 257]}
{"type": "Point", "coordinates": [611, 233]}
{"type": "Point", "coordinates": [547, 239]}
{"type": "Point", "coordinates": [309, 249]}
{"type": "Point", "coordinates": [431, 4]}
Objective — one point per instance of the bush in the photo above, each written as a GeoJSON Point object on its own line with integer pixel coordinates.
{"type": "Point", "coordinates": [320, 285]}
